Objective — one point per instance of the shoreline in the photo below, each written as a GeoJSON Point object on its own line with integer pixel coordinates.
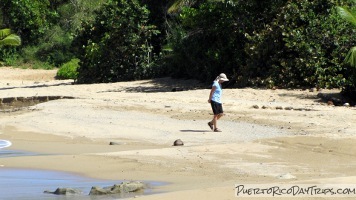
{"type": "Point", "coordinates": [311, 142]}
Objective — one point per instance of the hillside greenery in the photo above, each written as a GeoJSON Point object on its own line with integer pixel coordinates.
{"type": "Point", "coordinates": [271, 43]}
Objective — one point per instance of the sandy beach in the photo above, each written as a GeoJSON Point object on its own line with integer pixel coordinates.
{"type": "Point", "coordinates": [269, 136]}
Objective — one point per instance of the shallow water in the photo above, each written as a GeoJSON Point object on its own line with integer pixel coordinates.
{"type": "Point", "coordinates": [29, 184]}
{"type": "Point", "coordinates": [13, 153]}
{"type": "Point", "coordinates": [21, 184]}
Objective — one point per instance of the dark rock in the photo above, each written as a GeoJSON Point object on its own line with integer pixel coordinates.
{"type": "Point", "coordinates": [114, 143]}
{"type": "Point", "coordinates": [8, 100]}
{"type": "Point", "coordinates": [178, 142]}
{"type": "Point", "coordinates": [266, 107]}
{"type": "Point", "coordinates": [64, 191]}
{"type": "Point", "coordinates": [50, 98]}
{"type": "Point", "coordinates": [255, 107]}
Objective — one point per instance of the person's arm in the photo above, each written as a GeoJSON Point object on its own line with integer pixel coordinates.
{"type": "Point", "coordinates": [211, 93]}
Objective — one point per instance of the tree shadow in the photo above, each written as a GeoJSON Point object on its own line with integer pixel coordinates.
{"type": "Point", "coordinates": [36, 86]}
{"type": "Point", "coordinates": [311, 96]}
{"type": "Point", "coordinates": [337, 98]}
{"type": "Point", "coordinates": [163, 85]}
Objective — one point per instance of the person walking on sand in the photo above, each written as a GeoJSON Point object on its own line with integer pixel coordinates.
{"type": "Point", "coordinates": [215, 101]}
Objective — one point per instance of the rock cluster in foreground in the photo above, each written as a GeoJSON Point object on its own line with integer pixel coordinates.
{"type": "Point", "coordinates": [124, 187]}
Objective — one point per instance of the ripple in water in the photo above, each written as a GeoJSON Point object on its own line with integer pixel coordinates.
{"type": "Point", "coordinates": [4, 143]}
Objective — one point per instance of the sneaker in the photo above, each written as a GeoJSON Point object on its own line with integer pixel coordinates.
{"type": "Point", "coordinates": [217, 130]}
{"type": "Point", "coordinates": [211, 125]}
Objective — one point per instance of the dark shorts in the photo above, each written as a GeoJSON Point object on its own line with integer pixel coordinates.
{"type": "Point", "coordinates": [217, 108]}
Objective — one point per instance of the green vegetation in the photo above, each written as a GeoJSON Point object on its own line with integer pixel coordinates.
{"type": "Point", "coordinates": [350, 16]}
{"type": "Point", "coordinates": [116, 46]}
{"type": "Point", "coordinates": [69, 70]}
{"type": "Point", "coordinates": [7, 38]}
{"type": "Point", "coordinates": [297, 43]}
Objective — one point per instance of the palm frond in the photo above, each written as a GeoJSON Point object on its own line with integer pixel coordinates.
{"type": "Point", "coordinates": [347, 15]}
{"type": "Point", "coordinates": [4, 33]}
{"type": "Point", "coordinates": [351, 57]}
{"type": "Point", "coordinates": [176, 5]}
{"type": "Point", "coordinates": [11, 40]}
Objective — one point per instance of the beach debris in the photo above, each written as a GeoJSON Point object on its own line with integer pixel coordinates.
{"type": "Point", "coordinates": [115, 143]}
{"type": "Point", "coordinates": [288, 108]}
{"type": "Point", "coordinates": [279, 108]}
{"type": "Point", "coordinates": [124, 187]}
{"type": "Point", "coordinates": [286, 176]}
{"type": "Point", "coordinates": [178, 142]}
{"type": "Point", "coordinates": [64, 191]}
{"type": "Point", "coordinates": [255, 107]}
{"type": "Point", "coordinates": [346, 104]}
{"type": "Point", "coordinates": [266, 107]}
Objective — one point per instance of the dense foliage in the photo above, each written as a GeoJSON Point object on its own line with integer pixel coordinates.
{"type": "Point", "coordinates": [349, 14]}
{"type": "Point", "coordinates": [30, 18]}
{"type": "Point", "coordinates": [295, 43]}
{"type": "Point", "coordinates": [116, 46]}
{"type": "Point", "coordinates": [303, 46]}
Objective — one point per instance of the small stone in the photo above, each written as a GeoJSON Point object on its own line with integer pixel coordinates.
{"type": "Point", "coordinates": [330, 103]}
{"type": "Point", "coordinates": [178, 142]}
{"type": "Point", "coordinates": [266, 107]}
{"type": "Point", "coordinates": [346, 104]}
{"type": "Point", "coordinates": [114, 143]}
{"type": "Point", "coordinates": [279, 108]}
{"type": "Point", "coordinates": [255, 107]}
{"type": "Point", "coordinates": [64, 191]}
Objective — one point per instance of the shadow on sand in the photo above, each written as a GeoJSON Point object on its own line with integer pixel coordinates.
{"type": "Point", "coordinates": [164, 85]}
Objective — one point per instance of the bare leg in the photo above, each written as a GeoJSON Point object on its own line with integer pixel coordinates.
{"type": "Point", "coordinates": [215, 120]}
